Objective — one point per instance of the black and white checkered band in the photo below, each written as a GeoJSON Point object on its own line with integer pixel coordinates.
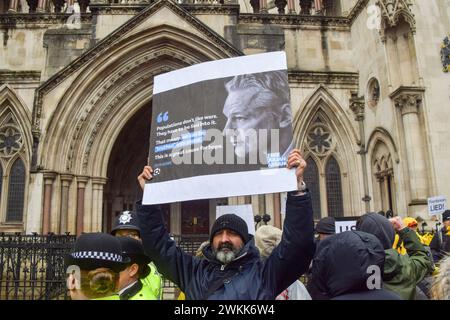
{"type": "Point", "coordinates": [97, 255]}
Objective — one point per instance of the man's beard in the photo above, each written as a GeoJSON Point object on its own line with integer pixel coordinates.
{"type": "Point", "coordinates": [226, 256]}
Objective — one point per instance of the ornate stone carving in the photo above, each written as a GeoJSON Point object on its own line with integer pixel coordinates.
{"type": "Point", "coordinates": [408, 103]}
{"type": "Point", "coordinates": [408, 99]}
{"type": "Point", "coordinates": [348, 80]}
{"type": "Point", "coordinates": [11, 140]}
{"type": "Point", "coordinates": [392, 10]}
{"type": "Point", "coordinates": [319, 140]}
{"type": "Point", "coordinates": [294, 19]}
{"type": "Point", "coordinates": [8, 76]}
{"type": "Point", "coordinates": [114, 37]}
{"type": "Point", "coordinates": [357, 105]}
{"type": "Point", "coordinates": [25, 20]}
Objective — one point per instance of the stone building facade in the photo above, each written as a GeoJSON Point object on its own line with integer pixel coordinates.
{"type": "Point", "coordinates": [369, 96]}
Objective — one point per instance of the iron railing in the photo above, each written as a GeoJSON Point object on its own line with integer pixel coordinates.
{"type": "Point", "coordinates": [32, 266]}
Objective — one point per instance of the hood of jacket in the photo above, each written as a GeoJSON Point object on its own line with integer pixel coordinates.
{"type": "Point", "coordinates": [342, 262]}
{"type": "Point", "coordinates": [379, 226]}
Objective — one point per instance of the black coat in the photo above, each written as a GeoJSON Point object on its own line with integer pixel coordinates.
{"type": "Point", "coordinates": [440, 248]}
{"type": "Point", "coordinates": [245, 278]}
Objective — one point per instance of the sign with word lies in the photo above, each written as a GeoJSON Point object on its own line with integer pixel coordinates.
{"type": "Point", "coordinates": [345, 224]}
{"type": "Point", "coordinates": [437, 205]}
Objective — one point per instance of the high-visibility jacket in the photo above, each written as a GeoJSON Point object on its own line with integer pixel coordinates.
{"type": "Point", "coordinates": [113, 297]}
{"type": "Point", "coordinates": [146, 293]}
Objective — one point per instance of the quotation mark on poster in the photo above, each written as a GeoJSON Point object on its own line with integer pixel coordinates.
{"type": "Point", "coordinates": [163, 117]}
{"type": "Point", "coordinates": [374, 19]}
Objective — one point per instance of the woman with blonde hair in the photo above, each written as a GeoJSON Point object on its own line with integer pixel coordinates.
{"type": "Point", "coordinates": [93, 267]}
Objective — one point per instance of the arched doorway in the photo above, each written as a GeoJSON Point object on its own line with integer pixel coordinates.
{"type": "Point", "coordinates": [127, 158]}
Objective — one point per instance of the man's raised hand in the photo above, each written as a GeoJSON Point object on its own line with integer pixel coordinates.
{"type": "Point", "coordinates": [145, 176]}
{"type": "Point", "coordinates": [295, 160]}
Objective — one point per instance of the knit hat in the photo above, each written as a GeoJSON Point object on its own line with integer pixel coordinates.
{"type": "Point", "coordinates": [326, 226]}
{"type": "Point", "coordinates": [266, 239]}
{"type": "Point", "coordinates": [127, 220]}
{"type": "Point", "coordinates": [231, 222]}
{"type": "Point", "coordinates": [97, 250]}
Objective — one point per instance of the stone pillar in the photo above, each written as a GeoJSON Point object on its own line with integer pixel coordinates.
{"type": "Point", "coordinates": [175, 218]}
{"type": "Point", "coordinates": [212, 212]}
{"type": "Point", "coordinates": [263, 6]}
{"type": "Point", "coordinates": [270, 207]}
{"type": "Point", "coordinates": [318, 6]}
{"type": "Point", "coordinates": [291, 6]}
{"type": "Point", "coordinates": [66, 180]}
{"type": "Point", "coordinates": [49, 178]}
{"type": "Point", "coordinates": [97, 203]}
{"type": "Point", "coordinates": [13, 4]}
{"type": "Point", "coordinates": [408, 101]}
{"type": "Point", "coordinates": [276, 210]}
{"type": "Point", "coordinates": [41, 5]}
{"type": "Point", "coordinates": [357, 105]}
{"type": "Point", "coordinates": [81, 186]}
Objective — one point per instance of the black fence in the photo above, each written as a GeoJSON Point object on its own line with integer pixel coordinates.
{"type": "Point", "coordinates": [32, 266]}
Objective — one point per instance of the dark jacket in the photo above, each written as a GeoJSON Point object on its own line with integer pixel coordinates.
{"type": "Point", "coordinates": [245, 278]}
{"type": "Point", "coordinates": [402, 273]}
{"type": "Point", "coordinates": [342, 265]}
{"type": "Point", "coordinates": [440, 248]}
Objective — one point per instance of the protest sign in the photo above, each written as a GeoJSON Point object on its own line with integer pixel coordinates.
{"type": "Point", "coordinates": [343, 224]}
{"type": "Point", "coordinates": [244, 211]}
{"type": "Point", "coordinates": [437, 205]}
{"type": "Point", "coordinates": [220, 129]}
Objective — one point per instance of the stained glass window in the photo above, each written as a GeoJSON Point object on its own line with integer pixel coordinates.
{"type": "Point", "coordinates": [311, 177]}
{"type": "Point", "coordinates": [16, 192]}
{"type": "Point", "coordinates": [334, 188]}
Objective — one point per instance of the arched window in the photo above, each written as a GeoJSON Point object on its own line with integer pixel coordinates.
{"type": "Point", "coordinates": [311, 178]}
{"type": "Point", "coordinates": [16, 192]}
{"type": "Point", "coordinates": [334, 188]}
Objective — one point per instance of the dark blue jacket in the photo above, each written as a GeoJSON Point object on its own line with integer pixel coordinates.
{"type": "Point", "coordinates": [246, 277]}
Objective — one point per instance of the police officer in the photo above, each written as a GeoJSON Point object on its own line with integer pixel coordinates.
{"type": "Point", "coordinates": [126, 225]}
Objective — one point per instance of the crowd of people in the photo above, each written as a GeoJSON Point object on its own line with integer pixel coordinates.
{"type": "Point", "coordinates": [382, 259]}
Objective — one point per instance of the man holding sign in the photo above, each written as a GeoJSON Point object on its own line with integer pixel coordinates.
{"type": "Point", "coordinates": [233, 268]}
